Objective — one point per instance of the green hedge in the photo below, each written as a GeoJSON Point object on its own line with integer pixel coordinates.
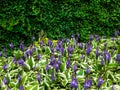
{"type": "Point", "coordinates": [22, 19]}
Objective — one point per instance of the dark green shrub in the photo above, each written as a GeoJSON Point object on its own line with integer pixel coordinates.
{"type": "Point", "coordinates": [20, 20]}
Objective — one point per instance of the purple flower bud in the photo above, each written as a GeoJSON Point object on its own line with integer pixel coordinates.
{"type": "Point", "coordinates": [91, 37]}
{"type": "Point", "coordinates": [80, 45]}
{"type": "Point", "coordinates": [49, 42]}
{"type": "Point", "coordinates": [116, 33]}
{"type": "Point", "coordinates": [87, 84]}
{"type": "Point", "coordinates": [118, 58]}
{"type": "Point", "coordinates": [0, 54]}
{"type": "Point", "coordinates": [59, 43]}
{"type": "Point", "coordinates": [47, 67]}
{"type": "Point", "coordinates": [75, 67]}
{"type": "Point", "coordinates": [52, 77]}
{"type": "Point", "coordinates": [62, 50]}
{"type": "Point", "coordinates": [25, 55]}
{"type": "Point", "coordinates": [34, 48]}
{"type": "Point", "coordinates": [38, 78]}
{"type": "Point", "coordinates": [113, 88]}
{"type": "Point", "coordinates": [21, 62]}
{"type": "Point", "coordinates": [70, 49]}
{"type": "Point", "coordinates": [97, 37]}
{"type": "Point", "coordinates": [39, 56]}
{"type": "Point", "coordinates": [51, 62]}
{"type": "Point", "coordinates": [57, 48]}
{"type": "Point", "coordinates": [68, 63]}
{"type": "Point", "coordinates": [5, 81]}
{"type": "Point", "coordinates": [11, 45]}
{"type": "Point", "coordinates": [112, 38]}
{"type": "Point", "coordinates": [107, 56]}
{"type": "Point", "coordinates": [14, 60]}
{"type": "Point", "coordinates": [41, 43]}
{"type": "Point", "coordinates": [21, 87]}
{"type": "Point", "coordinates": [82, 56]}
{"type": "Point", "coordinates": [72, 36]}
{"type": "Point", "coordinates": [74, 83]}
{"type": "Point", "coordinates": [87, 70]}
{"type": "Point", "coordinates": [22, 46]}
{"type": "Point", "coordinates": [5, 67]}
{"type": "Point", "coordinates": [19, 78]}
{"type": "Point", "coordinates": [28, 52]}
{"type": "Point", "coordinates": [69, 55]}
{"type": "Point", "coordinates": [89, 49]}
{"type": "Point", "coordinates": [100, 81]}
{"type": "Point", "coordinates": [59, 62]}
{"type": "Point", "coordinates": [52, 50]}
{"type": "Point", "coordinates": [56, 67]}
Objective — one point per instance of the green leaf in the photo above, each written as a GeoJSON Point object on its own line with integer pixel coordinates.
{"type": "Point", "coordinates": [31, 62]}
{"type": "Point", "coordinates": [28, 87]}
{"type": "Point", "coordinates": [35, 87]}
{"type": "Point", "coordinates": [26, 67]}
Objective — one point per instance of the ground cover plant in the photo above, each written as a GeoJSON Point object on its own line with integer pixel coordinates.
{"type": "Point", "coordinates": [63, 65]}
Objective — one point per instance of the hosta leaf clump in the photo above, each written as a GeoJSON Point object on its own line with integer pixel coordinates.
{"type": "Point", "coordinates": [62, 65]}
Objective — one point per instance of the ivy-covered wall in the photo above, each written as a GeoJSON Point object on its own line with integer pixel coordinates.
{"type": "Point", "coordinates": [22, 19]}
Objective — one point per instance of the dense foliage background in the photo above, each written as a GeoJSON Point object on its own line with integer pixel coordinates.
{"type": "Point", "coordinates": [22, 19]}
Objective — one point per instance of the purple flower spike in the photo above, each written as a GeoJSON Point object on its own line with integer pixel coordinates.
{"type": "Point", "coordinates": [11, 45]}
{"type": "Point", "coordinates": [116, 33]}
{"type": "Point", "coordinates": [70, 49]}
{"type": "Point", "coordinates": [87, 84]}
{"type": "Point", "coordinates": [97, 53]}
{"type": "Point", "coordinates": [19, 78]}
{"type": "Point", "coordinates": [97, 37]}
{"type": "Point", "coordinates": [0, 54]}
{"type": "Point", "coordinates": [62, 50]}
{"type": "Point", "coordinates": [47, 67]}
{"type": "Point", "coordinates": [107, 56]}
{"type": "Point", "coordinates": [21, 62]}
{"type": "Point", "coordinates": [59, 62]}
{"type": "Point", "coordinates": [21, 87]}
{"type": "Point", "coordinates": [38, 78]}
{"type": "Point", "coordinates": [87, 70]}
{"type": "Point", "coordinates": [91, 37]}
{"type": "Point", "coordinates": [74, 83]}
{"type": "Point", "coordinates": [82, 56]}
{"type": "Point", "coordinates": [56, 67]}
{"type": "Point", "coordinates": [22, 46]}
{"type": "Point", "coordinates": [68, 63]}
{"type": "Point", "coordinates": [5, 81]}
{"type": "Point", "coordinates": [80, 45]}
{"type": "Point", "coordinates": [72, 36]}
{"type": "Point", "coordinates": [41, 43]}
{"type": "Point", "coordinates": [39, 56]}
{"type": "Point", "coordinates": [34, 48]}
{"type": "Point", "coordinates": [14, 60]}
{"type": "Point", "coordinates": [52, 77]}
{"type": "Point", "coordinates": [52, 50]}
{"type": "Point", "coordinates": [100, 81]}
{"type": "Point", "coordinates": [5, 67]}
{"type": "Point", "coordinates": [49, 42]}
{"type": "Point", "coordinates": [89, 49]}
{"type": "Point", "coordinates": [75, 67]}
{"type": "Point", "coordinates": [118, 58]}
